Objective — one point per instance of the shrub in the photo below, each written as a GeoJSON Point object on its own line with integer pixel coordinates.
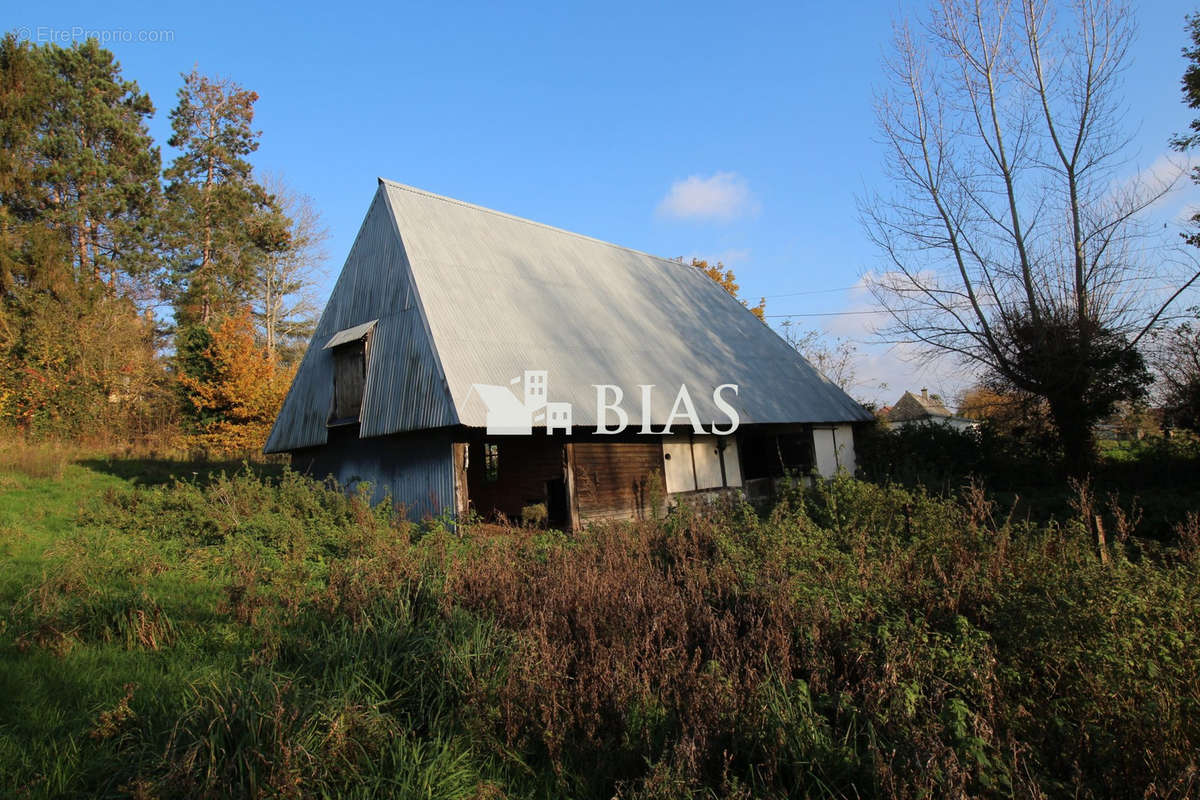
{"type": "Point", "coordinates": [858, 640]}
{"type": "Point", "coordinates": [535, 515]}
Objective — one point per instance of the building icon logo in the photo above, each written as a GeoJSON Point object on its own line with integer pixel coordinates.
{"type": "Point", "coordinates": [510, 415]}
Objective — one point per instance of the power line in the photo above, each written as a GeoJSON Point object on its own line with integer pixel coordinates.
{"type": "Point", "coordinates": [811, 291]}
{"type": "Point", "coordinates": [1163, 288]}
{"type": "Point", "coordinates": [828, 314]}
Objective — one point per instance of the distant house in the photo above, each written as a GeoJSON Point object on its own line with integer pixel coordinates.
{"type": "Point", "coordinates": [925, 409]}
{"type": "Point", "coordinates": [442, 308]}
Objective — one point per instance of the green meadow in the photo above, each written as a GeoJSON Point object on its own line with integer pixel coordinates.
{"type": "Point", "coordinates": [173, 629]}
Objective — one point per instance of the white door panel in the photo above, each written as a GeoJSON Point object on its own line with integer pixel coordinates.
{"type": "Point", "coordinates": [708, 462]}
{"type": "Point", "coordinates": [843, 439]}
{"type": "Point", "coordinates": [733, 468]}
{"type": "Point", "coordinates": [825, 452]}
{"type": "Point", "coordinates": [677, 464]}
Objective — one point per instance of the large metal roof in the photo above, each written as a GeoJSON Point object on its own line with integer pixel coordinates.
{"type": "Point", "coordinates": [497, 295]}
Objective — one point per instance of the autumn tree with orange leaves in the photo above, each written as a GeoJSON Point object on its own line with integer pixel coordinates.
{"type": "Point", "coordinates": [728, 281]}
{"type": "Point", "coordinates": [235, 390]}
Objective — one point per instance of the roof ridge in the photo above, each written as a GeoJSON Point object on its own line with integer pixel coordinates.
{"type": "Point", "coordinates": [535, 223]}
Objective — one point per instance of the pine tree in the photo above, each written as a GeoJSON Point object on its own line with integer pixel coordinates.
{"type": "Point", "coordinates": [99, 163]}
{"type": "Point", "coordinates": [222, 223]}
{"type": "Point", "coordinates": [32, 255]}
{"type": "Point", "coordinates": [78, 182]}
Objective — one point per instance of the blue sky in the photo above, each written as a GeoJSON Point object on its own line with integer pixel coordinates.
{"type": "Point", "coordinates": [739, 132]}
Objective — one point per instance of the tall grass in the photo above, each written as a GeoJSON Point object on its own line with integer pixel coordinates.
{"type": "Point", "coordinates": [251, 637]}
{"type": "Point", "coordinates": [35, 459]}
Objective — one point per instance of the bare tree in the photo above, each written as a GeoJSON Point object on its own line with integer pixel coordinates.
{"type": "Point", "coordinates": [833, 358]}
{"type": "Point", "coordinates": [1176, 360]}
{"type": "Point", "coordinates": [1011, 240]}
{"type": "Point", "coordinates": [284, 301]}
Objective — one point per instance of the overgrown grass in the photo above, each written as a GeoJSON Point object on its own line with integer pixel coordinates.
{"type": "Point", "coordinates": [255, 635]}
{"type": "Point", "coordinates": [42, 459]}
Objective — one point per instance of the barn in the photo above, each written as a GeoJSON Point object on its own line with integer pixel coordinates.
{"type": "Point", "coordinates": [469, 360]}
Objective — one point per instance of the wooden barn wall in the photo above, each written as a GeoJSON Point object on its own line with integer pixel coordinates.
{"type": "Point", "coordinates": [617, 480]}
{"type": "Point", "coordinates": [415, 469]}
{"type": "Point", "coordinates": [526, 464]}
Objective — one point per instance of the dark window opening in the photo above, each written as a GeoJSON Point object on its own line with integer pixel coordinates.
{"type": "Point", "coordinates": [349, 379]}
{"type": "Point", "coordinates": [491, 462]}
{"type": "Point", "coordinates": [776, 455]}
{"type": "Point", "coordinates": [556, 503]}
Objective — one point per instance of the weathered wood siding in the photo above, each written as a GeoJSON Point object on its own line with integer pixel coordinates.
{"type": "Point", "coordinates": [526, 464]}
{"type": "Point", "coordinates": [620, 480]}
{"type": "Point", "coordinates": [349, 377]}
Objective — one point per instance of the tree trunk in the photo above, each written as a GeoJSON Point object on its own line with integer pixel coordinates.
{"type": "Point", "coordinates": [1075, 435]}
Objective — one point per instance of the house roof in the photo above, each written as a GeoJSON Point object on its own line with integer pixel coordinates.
{"type": "Point", "coordinates": [499, 399]}
{"type": "Point", "coordinates": [914, 407]}
{"type": "Point", "coordinates": [466, 295]}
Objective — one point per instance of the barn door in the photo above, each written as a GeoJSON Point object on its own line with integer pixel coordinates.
{"type": "Point", "coordinates": [700, 462]}
{"type": "Point", "coordinates": [677, 463]}
{"type": "Point", "coordinates": [706, 452]}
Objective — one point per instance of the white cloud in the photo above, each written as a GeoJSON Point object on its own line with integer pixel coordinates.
{"type": "Point", "coordinates": [1168, 176]}
{"type": "Point", "coordinates": [722, 196]}
{"type": "Point", "coordinates": [883, 373]}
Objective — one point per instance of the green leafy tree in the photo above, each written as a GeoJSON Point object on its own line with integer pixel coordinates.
{"type": "Point", "coordinates": [78, 182]}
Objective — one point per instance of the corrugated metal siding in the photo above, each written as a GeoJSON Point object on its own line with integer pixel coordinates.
{"type": "Point", "coordinates": [405, 389]}
{"type": "Point", "coordinates": [416, 470]}
{"type": "Point", "coordinates": [467, 295]}
{"type": "Point", "coordinates": [502, 295]}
